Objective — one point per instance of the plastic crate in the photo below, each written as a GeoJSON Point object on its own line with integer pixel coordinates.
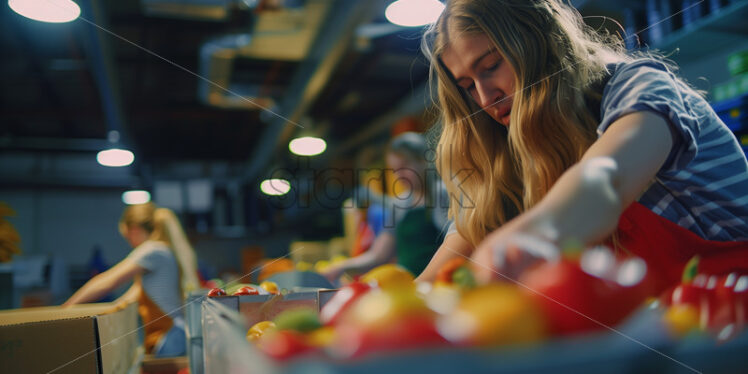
{"type": "Point", "coordinates": [743, 140]}
{"type": "Point", "coordinates": [225, 321]}
{"type": "Point", "coordinates": [194, 330]}
{"type": "Point", "coordinates": [733, 112]}
{"type": "Point", "coordinates": [735, 87]}
{"type": "Point", "coordinates": [737, 63]}
{"type": "Point", "coordinates": [295, 279]}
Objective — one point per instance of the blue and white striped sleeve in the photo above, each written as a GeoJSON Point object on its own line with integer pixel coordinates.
{"type": "Point", "coordinates": [647, 85]}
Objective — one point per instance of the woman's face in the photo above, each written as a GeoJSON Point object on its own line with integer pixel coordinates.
{"type": "Point", "coordinates": [135, 235]}
{"type": "Point", "coordinates": [480, 70]}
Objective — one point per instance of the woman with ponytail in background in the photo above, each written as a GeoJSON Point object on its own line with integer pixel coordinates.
{"type": "Point", "coordinates": [164, 269]}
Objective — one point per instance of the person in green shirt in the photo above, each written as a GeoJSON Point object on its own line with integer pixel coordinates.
{"type": "Point", "coordinates": [415, 220]}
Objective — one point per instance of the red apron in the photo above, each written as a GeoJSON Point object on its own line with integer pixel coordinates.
{"type": "Point", "coordinates": [666, 247]}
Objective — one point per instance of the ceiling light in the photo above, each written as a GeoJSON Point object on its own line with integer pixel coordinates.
{"type": "Point", "coordinates": [53, 11]}
{"type": "Point", "coordinates": [412, 13]}
{"type": "Point", "coordinates": [115, 157]}
{"type": "Point", "coordinates": [136, 197]}
{"type": "Point", "coordinates": [275, 187]}
{"type": "Point", "coordinates": [307, 146]}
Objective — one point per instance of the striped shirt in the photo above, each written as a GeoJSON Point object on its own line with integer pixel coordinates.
{"type": "Point", "coordinates": [703, 185]}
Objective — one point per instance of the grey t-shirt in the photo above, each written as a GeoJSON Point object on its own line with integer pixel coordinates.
{"type": "Point", "coordinates": [160, 280]}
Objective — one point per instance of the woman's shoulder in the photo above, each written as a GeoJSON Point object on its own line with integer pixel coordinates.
{"type": "Point", "coordinates": [640, 72]}
{"type": "Point", "coordinates": [646, 83]}
{"type": "Point", "coordinates": [152, 248]}
{"type": "Point", "coordinates": [153, 245]}
{"type": "Point", "coordinates": [634, 64]}
{"type": "Point", "coordinates": [152, 254]}
{"type": "Point", "coordinates": [637, 61]}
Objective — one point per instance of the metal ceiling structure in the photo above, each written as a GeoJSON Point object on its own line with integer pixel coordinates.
{"type": "Point", "coordinates": [168, 76]}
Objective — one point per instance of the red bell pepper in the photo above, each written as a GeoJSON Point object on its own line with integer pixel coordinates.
{"type": "Point", "coordinates": [246, 290]}
{"type": "Point", "coordinates": [284, 344]}
{"type": "Point", "coordinates": [720, 300]}
{"type": "Point", "coordinates": [216, 292]}
{"type": "Point", "coordinates": [574, 300]}
{"type": "Point", "coordinates": [331, 312]}
{"type": "Point", "coordinates": [402, 333]}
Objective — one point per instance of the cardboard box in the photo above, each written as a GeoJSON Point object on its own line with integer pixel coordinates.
{"type": "Point", "coordinates": [90, 338]}
{"type": "Point", "coordinates": [163, 365]}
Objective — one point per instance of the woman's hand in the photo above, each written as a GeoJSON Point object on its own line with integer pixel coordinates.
{"type": "Point", "coordinates": [381, 251]}
{"type": "Point", "coordinates": [333, 273]}
{"type": "Point", "coordinates": [454, 245]}
{"type": "Point", "coordinates": [505, 254]}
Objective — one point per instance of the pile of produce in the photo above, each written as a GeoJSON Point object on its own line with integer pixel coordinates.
{"type": "Point", "coordinates": [264, 288]}
{"type": "Point", "coordinates": [582, 292]}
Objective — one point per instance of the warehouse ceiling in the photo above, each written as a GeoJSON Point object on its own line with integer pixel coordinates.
{"type": "Point", "coordinates": [200, 88]}
{"type": "Point", "coordinates": [208, 81]}
{"type": "Point", "coordinates": [207, 94]}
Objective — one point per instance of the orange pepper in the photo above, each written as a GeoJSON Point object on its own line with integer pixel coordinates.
{"type": "Point", "coordinates": [445, 272]}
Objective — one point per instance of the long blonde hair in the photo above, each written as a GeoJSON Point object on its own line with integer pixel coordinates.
{"type": "Point", "coordinates": [499, 173]}
{"type": "Point", "coordinates": [162, 225]}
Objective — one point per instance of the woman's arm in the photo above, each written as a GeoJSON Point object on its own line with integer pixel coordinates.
{"type": "Point", "coordinates": [131, 295]}
{"type": "Point", "coordinates": [381, 251]}
{"type": "Point", "coordinates": [453, 245]}
{"type": "Point", "coordinates": [103, 283]}
{"type": "Point", "coordinates": [587, 201]}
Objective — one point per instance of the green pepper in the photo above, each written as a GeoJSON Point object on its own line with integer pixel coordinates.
{"type": "Point", "coordinates": [302, 320]}
{"type": "Point", "coordinates": [463, 277]}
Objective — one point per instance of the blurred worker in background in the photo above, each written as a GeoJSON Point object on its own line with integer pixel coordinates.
{"type": "Point", "coordinates": [164, 269]}
{"type": "Point", "coordinates": [415, 218]}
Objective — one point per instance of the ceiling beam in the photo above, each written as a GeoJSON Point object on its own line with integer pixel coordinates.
{"type": "Point", "coordinates": [330, 45]}
{"type": "Point", "coordinates": [120, 182]}
{"type": "Point", "coordinates": [50, 95]}
{"type": "Point", "coordinates": [413, 104]}
{"type": "Point", "coordinates": [99, 53]}
{"type": "Point", "coordinates": [52, 144]}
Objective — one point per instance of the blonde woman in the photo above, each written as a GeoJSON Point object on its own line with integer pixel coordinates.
{"type": "Point", "coordinates": [163, 267]}
{"type": "Point", "coordinates": [553, 132]}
